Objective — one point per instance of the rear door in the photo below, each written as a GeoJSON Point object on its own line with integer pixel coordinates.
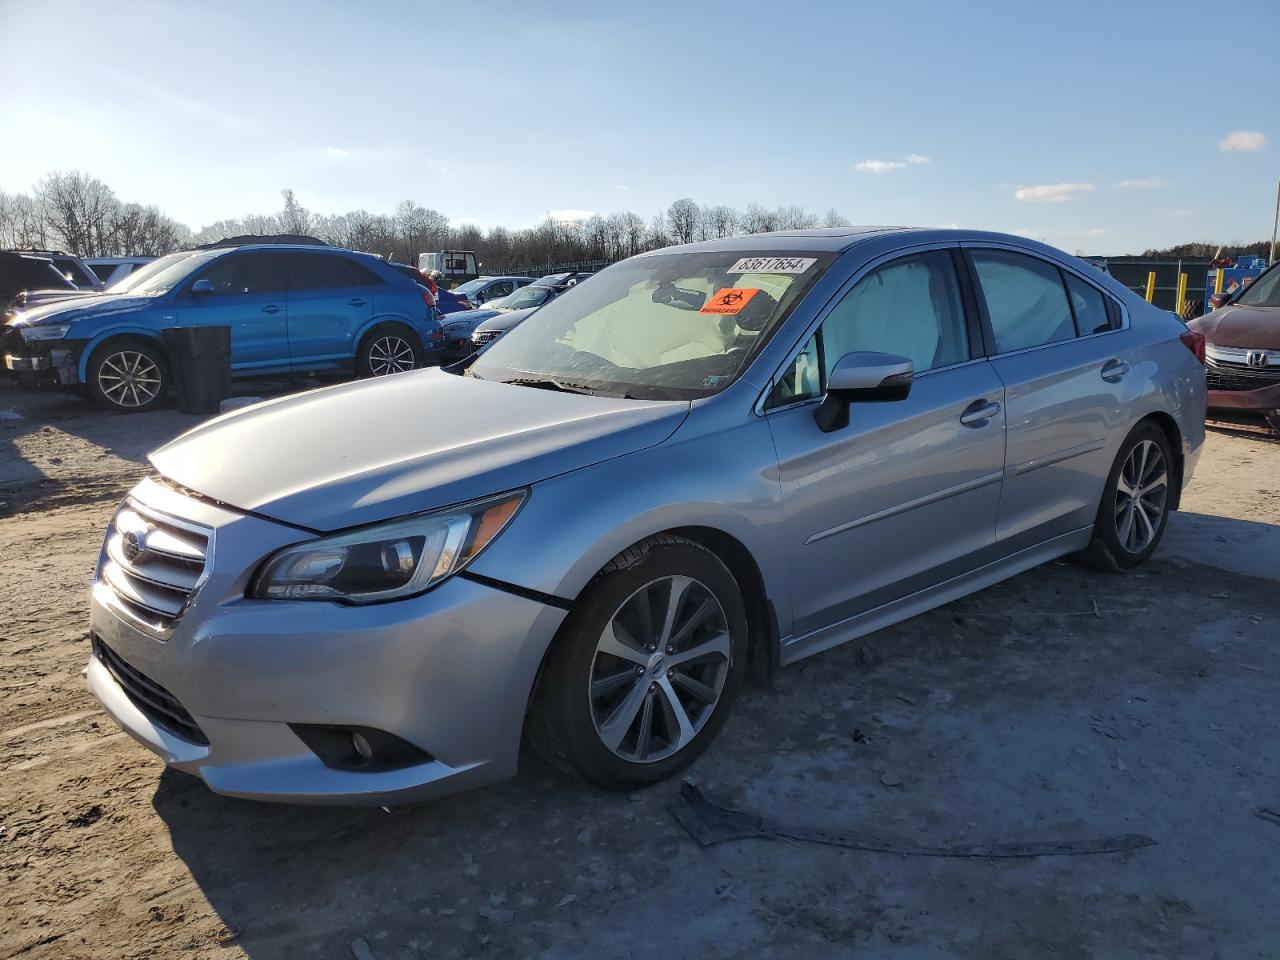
{"type": "Point", "coordinates": [906, 495]}
{"type": "Point", "coordinates": [248, 296]}
{"type": "Point", "coordinates": [330, 301]}
{"type": "Point", "coordinates": [1056, 344]}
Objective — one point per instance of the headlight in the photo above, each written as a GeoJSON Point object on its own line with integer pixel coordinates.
{"type": "Point", "coordinates": [55, 331]}
{"type": "Point", "coordinates": [386, 561]}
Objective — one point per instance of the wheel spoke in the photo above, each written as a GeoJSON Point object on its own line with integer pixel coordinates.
{"type": "Point", "coordinates": [615, 728]}
{"type": "Point", "coordinates": [616, 641]}
{"type": "Point", "coordinates": [678, 587]}
{"type": "Point", "coordinates": [680, 726]}
{"type": "Point", "coordinates": [704, 692]}
{"type": "Point", "coordinates": [1148, 530]}
{"type": "Point", "coordinates": [1160, 481]}
{"type": "Point", "coordinates": [1123, 485]}
{"type": "Point", "coordinates": [713, 648]}
{"type": "Point", "coordinates": [1126, 525]}
{"type": "Point", "coordinates": [607, 685]}
{"type": "Point", "coordinates": [699, 616]}
{"type": "Point", "coordinates": [644, 736]}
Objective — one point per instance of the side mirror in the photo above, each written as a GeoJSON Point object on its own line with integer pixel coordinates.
{"type": "Point", "coordinates": [865, 377]}
{"type": "Point", "coordinates": [1219, 300]}
{"type": "Point", "coordinates": [202, 288]}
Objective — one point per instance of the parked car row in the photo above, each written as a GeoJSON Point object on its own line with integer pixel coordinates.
{"type": "Point", "coordinates": [290, 308]}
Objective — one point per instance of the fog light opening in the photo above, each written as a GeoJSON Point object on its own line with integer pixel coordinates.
{"type": "Point", "coordinates": [359, 749]}
{"type": "Point", "coordinates": [360, 744]}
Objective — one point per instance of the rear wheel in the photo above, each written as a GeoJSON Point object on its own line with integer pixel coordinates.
{"type": "Point", "coordinates": [1135, 503]}
{"type": "Point", "coordinates": [387, 349]}
{"type": "Point", "coordinates": [127, 376]}
{"type": "Point", "coordinates": [643, 673]}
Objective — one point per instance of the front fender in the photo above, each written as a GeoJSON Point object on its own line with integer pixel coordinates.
{"type": "Point", "coordinates": [116, 330]}
{"type": "Point", "coordinates": [574, 524]}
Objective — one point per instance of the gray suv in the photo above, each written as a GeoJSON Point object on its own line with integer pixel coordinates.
{"type": "Point", "coordinates": [710, 461]}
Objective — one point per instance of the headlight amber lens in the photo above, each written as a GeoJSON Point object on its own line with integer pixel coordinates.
{"type": "Point", "coordinates": [387, 561]}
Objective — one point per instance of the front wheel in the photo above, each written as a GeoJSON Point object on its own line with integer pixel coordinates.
{"type": "Point", "coordinates": [1135, 502]}
{"type": "Point", "coordinates": [388, 349]}
{"type": "Point", "coordinates": [645, 669]}
{"type": "Point", "coordinates": [127, 376]}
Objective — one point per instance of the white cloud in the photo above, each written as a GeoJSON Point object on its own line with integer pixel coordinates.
{"type": "Point", "coordinates": [617, 186]}
{"type": "Point", "coordinates": [337, 153]}
{"type": "Point", "coordinates": [1150, 183]}
{"type": "Point", "coordinates": [879, 166]}
{"type": "Point", "coordinates": [1182, 213]}
{"type": "Point", "coordinates": [1096, 232]}
{"type": "Point", "coordinates": [1051, 192]}
{"type": "Point", "coordinates": [1243, 141]}
{"type": "Point", "coordinates": [570, 215]}
{"type": "Point", "coordinates": [887, 166]}
{"type": "Point", "coordinates": [1026, 232]}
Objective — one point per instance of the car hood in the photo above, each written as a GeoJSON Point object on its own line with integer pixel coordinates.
{"type": "Point", "coordinates": [80, 307]}
{"type": "Point", "coordinates": [505, 320]}
{"type": "Point", "coordinates": [376, 449]}
{"type": "Point", "coordinates": [1236, 326]}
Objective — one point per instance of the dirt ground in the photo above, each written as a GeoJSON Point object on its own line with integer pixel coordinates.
{"type": "Point", "coordinates": [1061, 704]}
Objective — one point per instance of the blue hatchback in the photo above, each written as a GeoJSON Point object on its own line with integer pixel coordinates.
{"type": "Point", "coordinates": [290, 309]}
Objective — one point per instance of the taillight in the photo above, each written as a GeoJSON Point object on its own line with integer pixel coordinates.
{"type": "Point", "coordinates": [437, 336]}
{"type": "Point", "coordinates": [428, 299]}
{"type": "Point", "coordinates": [1193, 340]}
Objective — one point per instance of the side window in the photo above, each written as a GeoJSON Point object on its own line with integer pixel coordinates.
{"type": "Point", "coordinates": [499, 289]}
{"type": "Point", "coordinates": [910, 307]}
{"type": "Point", "coordinates": [358, 275]}
{"type": "Point", "coordinates": [803, 379]}
{"type": "Point", "coordinates": [315, 271]}
{"type": "Point", "coordinates": [1090, 307]}
{"type": "Point", "coordinates": [1025, 298]}
{"type": "Point", "coordinates": [246, 273]}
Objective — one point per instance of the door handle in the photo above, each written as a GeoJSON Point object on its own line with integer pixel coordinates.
{"type": "Point", "coordinates": [1113, 371]}
{"type": "Point", "coordinates": [356, 302]}
{"type": "Point", "coordinates": [271, 308]}
{"type": "Point", "coordinates": [979, 412]}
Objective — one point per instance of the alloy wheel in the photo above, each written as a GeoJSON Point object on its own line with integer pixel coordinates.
{"type": "Point", "coordinates": [390, 354]}
{"type": "Point", "coordinates": [1142, 491]}
{"type": "Point", "coordinates": [129, 378]}
{"type": "Point", "coordinates": [659, 670]}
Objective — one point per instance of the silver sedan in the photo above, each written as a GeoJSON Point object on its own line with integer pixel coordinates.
{"type": "Point", "coordinates": [706, 464]}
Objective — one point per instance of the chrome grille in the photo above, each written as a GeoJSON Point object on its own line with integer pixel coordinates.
{"type": "Point", "coordinates": [481, 337]}
{"type": "Point", "coordinates": [153, 562]}
{"type": "Point", "coordinates": [155, 701]}
{"type": "Point", "coordinates": [1221, 375]}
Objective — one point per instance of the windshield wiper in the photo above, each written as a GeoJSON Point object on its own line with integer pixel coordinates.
{"type": "Point", "coordinates": [545, 383]}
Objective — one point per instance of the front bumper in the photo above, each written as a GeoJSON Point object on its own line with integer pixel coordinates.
{"type": "Point", "coordinates": [450, 672]}
{"type": "Point", "coordinates": [1265, 398]}
{"type": "Point", "coordinates": [55, 359]}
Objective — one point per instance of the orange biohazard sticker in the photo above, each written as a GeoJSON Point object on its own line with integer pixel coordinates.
{"type": "Point", "coordinates": [730, 300]}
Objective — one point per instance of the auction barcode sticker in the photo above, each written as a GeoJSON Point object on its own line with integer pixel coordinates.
{"type": "Point", "coordinates": [772, 265]}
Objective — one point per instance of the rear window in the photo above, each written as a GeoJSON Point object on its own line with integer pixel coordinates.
{"type": "Point", "coordinates": [325, 271]}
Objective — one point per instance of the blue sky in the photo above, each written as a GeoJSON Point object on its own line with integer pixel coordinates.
{"type": "Point", "coordinates": [1100, 127]}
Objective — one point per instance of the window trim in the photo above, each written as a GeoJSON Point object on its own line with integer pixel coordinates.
{"type": "Point", "coordinates": [762, 408]}
{"type": "Point", "coordinates": [1109, 300]}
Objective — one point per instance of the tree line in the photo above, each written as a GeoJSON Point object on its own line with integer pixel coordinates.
{"type": "Point", "coordinates": [80, 214]}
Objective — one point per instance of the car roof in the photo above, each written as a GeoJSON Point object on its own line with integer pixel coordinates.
{"type": "Point", "coordinates": [833, 239]}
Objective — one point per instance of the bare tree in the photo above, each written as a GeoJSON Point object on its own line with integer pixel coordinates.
{"type": "Point", "coordinates": [294, 219]}
{"type": "Point", "coordinates": [682, 220]}
{"type": "Point", "coordinates": [833, 218]}
{"type": "Point", "coordinates": [78, 210]}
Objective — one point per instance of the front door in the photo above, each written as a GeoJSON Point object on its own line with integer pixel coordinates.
{"type": "Point", "coordinates": [907, 494]}
{"type": "Point", "coordinates": [249, 297]}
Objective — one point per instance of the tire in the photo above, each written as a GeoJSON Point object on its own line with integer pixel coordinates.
{"type": "Point", "coordinates": [1128, 527]}
{"type": "Point", "coordinates": [388, 348]}
{"type": "Point", "coordinates": [127, 376]}
{"type": "Point", "coordinates": [610, 719]}
{"type": "Point", "coordinates": [1273, 420]}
